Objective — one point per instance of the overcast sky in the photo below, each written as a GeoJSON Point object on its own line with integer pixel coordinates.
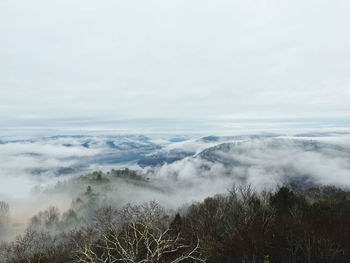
{"type": "Point", "coordinates": [200, 59]}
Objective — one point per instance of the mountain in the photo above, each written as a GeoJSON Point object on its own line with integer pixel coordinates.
{"type": "Point", "coordinates": [266, 162]}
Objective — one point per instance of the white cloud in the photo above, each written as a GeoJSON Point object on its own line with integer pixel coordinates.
{"type": "Point", "coordinates": [263, 163]}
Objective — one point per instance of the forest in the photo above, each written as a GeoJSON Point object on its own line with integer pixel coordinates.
{"type": "Point", "coordinates": [286, 224]}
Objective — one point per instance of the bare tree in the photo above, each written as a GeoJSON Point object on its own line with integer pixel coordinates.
{"type": "Point", "coordinates": [4, 215]}
{"type": "Point", "coordinates": [140, 240]}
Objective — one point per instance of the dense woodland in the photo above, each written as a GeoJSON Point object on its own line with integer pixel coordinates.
{"type": "Point", "coordinates": [243, 225]}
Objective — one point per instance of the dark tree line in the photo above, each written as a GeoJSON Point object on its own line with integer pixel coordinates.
{"type": "Point", "coordinates": [313, 226]}
{"type": "Point", "coordinates": [242, 226]}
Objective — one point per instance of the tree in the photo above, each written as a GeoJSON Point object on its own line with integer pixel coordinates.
{"type": "Point", "coordinates": [283, 200]}
{"type": "Point", "coordinates": [4, 215]}
{"type": "Point", "coordinates": [141, 239]}
{"type": "Point", "coordinates": [176, 224]}
{"type": "Point", "coordinates": [88, 190]}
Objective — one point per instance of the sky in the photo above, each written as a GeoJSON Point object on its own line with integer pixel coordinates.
{"type": "Point", "coordinates": [173, 59]}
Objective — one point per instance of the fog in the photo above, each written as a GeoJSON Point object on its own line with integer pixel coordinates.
{"type": "Point", "coordinates": [173, 59]}
{"type": "Point", "coordinates": [266, 163]}
{"type": "Point", "coordinates": [40, 172]}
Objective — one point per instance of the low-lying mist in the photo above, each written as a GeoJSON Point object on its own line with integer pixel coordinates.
{"type": "Point", "coordinates": [58, 171]}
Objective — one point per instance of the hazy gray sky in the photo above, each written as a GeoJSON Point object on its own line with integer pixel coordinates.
{"type": "Point", "coordinates": [174, 58]}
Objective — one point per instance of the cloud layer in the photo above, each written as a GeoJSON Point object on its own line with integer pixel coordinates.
{"type": "Point", "coordinates": [213, 164]}
{"type": "Point", "coordinates": [178, 59]}
{"type": "Point", "coordinates": [265, 163]}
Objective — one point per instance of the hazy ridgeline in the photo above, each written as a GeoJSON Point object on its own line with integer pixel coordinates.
{"type": "Point", "coordinates": [241, 225]}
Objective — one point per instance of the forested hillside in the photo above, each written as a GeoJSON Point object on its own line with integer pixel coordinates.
{"type": "Point", "coordinates": [243, 225]}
